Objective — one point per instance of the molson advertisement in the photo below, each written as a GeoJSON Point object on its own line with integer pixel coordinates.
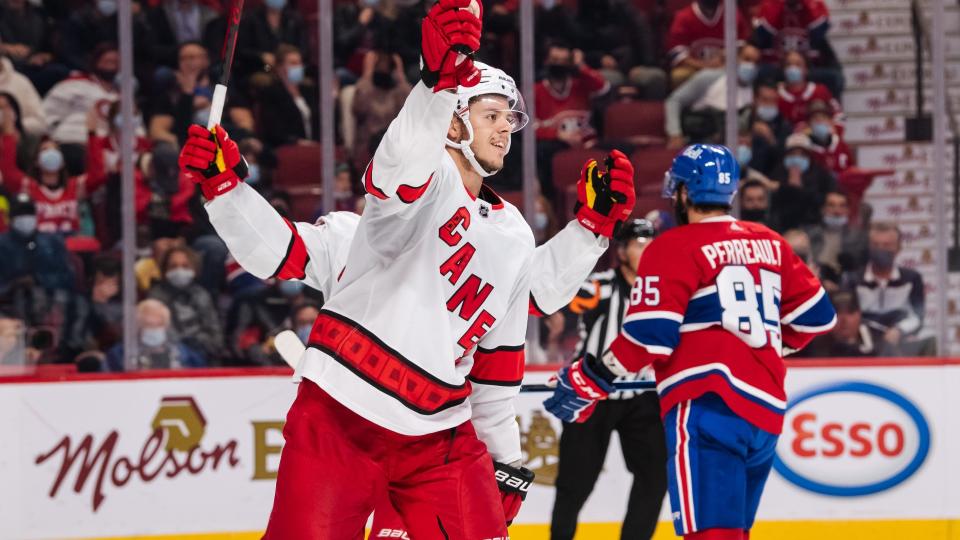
{"type": "Point", "coordinates": [869, 450]}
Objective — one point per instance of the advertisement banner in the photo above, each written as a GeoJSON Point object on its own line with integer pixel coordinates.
{"type": "Point", "coordinates": [170, 456]}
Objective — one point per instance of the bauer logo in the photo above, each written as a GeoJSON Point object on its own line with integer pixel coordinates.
{"type": "Point", "coordinates": [850, 439]}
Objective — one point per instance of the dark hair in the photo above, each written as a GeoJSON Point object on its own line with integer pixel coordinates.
{"type": "Point", "coordinates": [106, 264]}
{"type": "Point", "coordinates": [191, 256]}
{"type": "Point", "coordinates": [765, 82]}
{"type": "Point", "coordinates": [15, 105]}
{"type": "Point", "coordinates": [845, 301]}
{"type": "Point", "coordinates": [835, 191]}
{"type": "Point", "coordinates": [101, 49]}
{"type": "Point", "coordinates": [751, 184]}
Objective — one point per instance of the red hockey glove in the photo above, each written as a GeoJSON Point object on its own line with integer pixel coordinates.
{"type": "Point", "coordinates": [578, 388]}
{"type": "Point", "coordinates": [605, 199]}
{"type": "Point", "coordinates": [450, 35]}
{"type": "Point", "coordinates": [213, 160]}
{"type": "Point", "coordinates": [514, 483]}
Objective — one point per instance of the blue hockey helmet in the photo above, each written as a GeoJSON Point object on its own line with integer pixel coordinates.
{"type": "Point", "coordinates": [710, 172]}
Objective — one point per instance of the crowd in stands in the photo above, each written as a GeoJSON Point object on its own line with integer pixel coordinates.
{"type": "Point", "coordinates": [645, 76]}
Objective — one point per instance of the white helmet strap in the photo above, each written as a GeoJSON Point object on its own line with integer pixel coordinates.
{"type": "Point", "coordinates": [464, 146]}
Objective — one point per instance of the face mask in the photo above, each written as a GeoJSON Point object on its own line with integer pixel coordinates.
{"type": "Point", "coordinates": [201, 116]}
{"type": "Point", "coordinates": [747, 72]}
{"type": "Point", "coordinates": [383, 80]}
{"type": "Point", "coordinates": [755, 215]}
{"type": "Point", "coordinates": [540, 221]}
{"type": "Point", "coordinates": [821, 131]}
{"type": "Point", "coordinates": [25, 225]}
{"type": "Point", "coordinates": [180, 277]}
{"type": "Point", "coordinates": [153, 337]}
{"type": "Point", "coordinates": [768, 113]}
{"type": "Point", "coordinates": [295, 74]}
{"type": "Point", "coordinates": [793, 74]}
{"type": "Point", "coordinates": [290, 288]}
{"type": "Point", "coordinates": [118, 122]}
{"type": "Point", "coordinates": [107, 7]}
{"type": "Point", "coordinates": [253, 173]}
{"type": "Point", "coordinates": [744, 155]}
{"type": "Point", "coordinates": [276, 4]}
{"type": "Point", "coordinates": [370, 3]}
{"type": "Point", "coordinates": [107, 75]}
{"type": "Point", "coordinates": [557, 71]}
{"type": "Point", "coordinates": [882, 258]}
{"type": "Point", "coordinates": [303, 332]}
{"type": "Point", "coordinates": [834, 222]}
{"type": "Point", "coordinates": [797, 162]}
{"type": "Point", "coordinates": [548, 4]}
{"type": "Point", "coordinates": [50, 160]}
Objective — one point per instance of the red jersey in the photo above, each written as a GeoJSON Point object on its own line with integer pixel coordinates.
{"type": "Point", "coordinates": [57, 209]}
{"type": "Point", "coordinates": [835, 157]}
{"type": "Point", "coordinates": [714, 306]}
{"type": "Point", "coordinates": [694, 35]}
{"type": "Point", "coordinates": [570, 108]}
{"type": "Point", "coordinates": [782, 30]}
{"type": "Point", "coordinates": [793, 102]}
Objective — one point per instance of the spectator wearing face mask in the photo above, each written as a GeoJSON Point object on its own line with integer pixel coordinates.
{"type": "Point", "coordinates": [254, 317]}
{"type": "Point", "coordinates": [291, 103]}
{"type": "Point", "coordinates": [754, 202]}
{"type": "Point", "coordinates": [891, 296]}
{"type": "Point", "coordinates": [839, 246]}
{"type": "Point", "coordinates": [797, 93]}
{"type": "Point", "coordinates": [67, 104]}
{"type": "Point", "coordinates": [195, 316]}
{"type": "Point", "coordinates": [31, 257]}
{"type": "Point", "coordinates": [803, 185]}
{"type": "Point", "coordinates": [563, 101]}
{"type": "Point", "coordinates": [695, 40]}
{"type": "Point", "coordinates": [380, 94]}
{"type": "Point", "coordinates": [768, 128]}
{"type": "Point", "coordinates": [705, 96]}
{"type": "Point", "coordinates": [801, 26]}
{"type": "Point", "coordinates": [748, 173]}
{"type": "Point", "coordinates": [159, 347]}
{"type": "Point", "coordinates": [56, 194]}
{"type": "Point", "coordinates": [850, 338]}
{"type": "Point", "coordinates": [302, 319]}
{"type": "Point", "coordinates": [828, 148]}
{"type": "Point", "coordinates": [181, 96]}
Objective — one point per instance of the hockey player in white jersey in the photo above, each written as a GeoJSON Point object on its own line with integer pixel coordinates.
{"type": "Point", "coordinates": [430, 309]}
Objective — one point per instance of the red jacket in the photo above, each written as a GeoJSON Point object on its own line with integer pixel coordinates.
{"type": "Point", "coordinates": [569, 109]}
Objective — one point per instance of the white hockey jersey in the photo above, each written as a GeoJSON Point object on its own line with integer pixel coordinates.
{"type": "Point", "coordinates": [431, 306]}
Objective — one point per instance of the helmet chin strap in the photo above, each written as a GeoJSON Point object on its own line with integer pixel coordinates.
{"type": "Point", "coordinates": [464, 147]}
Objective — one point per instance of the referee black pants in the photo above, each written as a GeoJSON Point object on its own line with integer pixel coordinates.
{"type": "Point", "coordinates": [583, 448]}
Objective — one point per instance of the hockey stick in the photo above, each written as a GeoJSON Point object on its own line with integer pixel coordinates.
{"type": "Point", "coordinates": [226, 55]}
{"type": "Point", "coordinates": [290, 348]}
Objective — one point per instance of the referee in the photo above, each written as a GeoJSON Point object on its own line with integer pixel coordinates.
{"type": "Point", "coordinates": [601, 304]}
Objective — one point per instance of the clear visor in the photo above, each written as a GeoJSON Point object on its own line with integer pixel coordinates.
{"type": "Point", "coordinates": [490, 108]}
{"type": "Point", "coordinates": [669, 185]}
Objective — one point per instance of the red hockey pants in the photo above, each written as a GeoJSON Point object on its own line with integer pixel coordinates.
{"type": "Point", "coordinates": [335, 466]}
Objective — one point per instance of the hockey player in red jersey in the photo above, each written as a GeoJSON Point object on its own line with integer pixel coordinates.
{"type": "Point", "coordinates": [429, 310]}
{"type": "Point", "coordinates": [716, 304]}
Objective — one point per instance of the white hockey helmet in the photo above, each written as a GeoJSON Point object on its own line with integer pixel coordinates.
{"type": "Point", "coordinates": [493, 81]}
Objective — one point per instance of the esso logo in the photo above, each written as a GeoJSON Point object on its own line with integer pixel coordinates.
{"type": "Point", "coordinates": [850, 439]}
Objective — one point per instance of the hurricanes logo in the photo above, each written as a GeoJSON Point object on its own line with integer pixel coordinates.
{"type": "Point", "coordinates": [172, 447]}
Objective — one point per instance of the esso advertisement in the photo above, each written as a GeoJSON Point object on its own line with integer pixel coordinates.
{"type": "Point", "coordinates": [851, 439]}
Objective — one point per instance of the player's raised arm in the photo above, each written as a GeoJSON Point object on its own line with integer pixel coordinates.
{"type": "Point", "coordinates": [263, 242]}
{"type": "Point", "coordinates": [605, 198]}
{"type": "Point", "coordinates": [410, 152]}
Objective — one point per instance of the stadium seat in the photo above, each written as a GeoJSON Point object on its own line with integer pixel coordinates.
{"type": "Point", "coordinates": [567, 164]}
{"type": "Point", "coordinates": [297, 165]}
{"type": "Point", "coordinates": [624, 120]}
{"type": "Point", "coordinates": [650, 164]}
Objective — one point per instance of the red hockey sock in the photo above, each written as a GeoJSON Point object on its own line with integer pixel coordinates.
{"type": "Point", "coordinates": [716, 534]}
